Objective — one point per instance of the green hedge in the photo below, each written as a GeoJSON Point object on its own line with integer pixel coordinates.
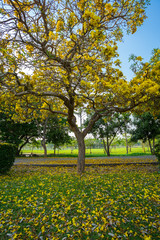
{"type": "Point", "coordinates": [157, 151]}
{"type": "Point", "coordinates": [7, 156]}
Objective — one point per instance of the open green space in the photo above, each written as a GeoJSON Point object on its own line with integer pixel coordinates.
{"type": "Point", "coordinates": [103, 203]}
{"type": "Point", "coordinates": [91, 152]}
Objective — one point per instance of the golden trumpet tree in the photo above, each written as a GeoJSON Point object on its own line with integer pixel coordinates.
{"type": "Point", "coordinates": [147, 79]}
{"type": "Point", "coordinates": [61, 55]}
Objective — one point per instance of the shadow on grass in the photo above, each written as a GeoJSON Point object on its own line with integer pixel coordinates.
{"type": "Point", "coordinates": [99, 155]}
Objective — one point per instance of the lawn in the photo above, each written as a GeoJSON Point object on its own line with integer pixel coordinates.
{"type": "Point", "coordinates": [103, 203]}
{"type": "Point", "coordinates": [92, 152]}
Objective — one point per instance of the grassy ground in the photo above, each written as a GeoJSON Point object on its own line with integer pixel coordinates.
{"type": "Point", "coordinates": [93, 152]}
{"type": "Point", "coordinates": [103, 203]}
{"type": "Point", "coordinates": [92, 160]}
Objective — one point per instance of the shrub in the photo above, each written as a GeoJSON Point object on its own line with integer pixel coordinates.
{"type": "Point", "coordinates": [7, 156]}
{"type": "Point", "coordinates": [157, 151]}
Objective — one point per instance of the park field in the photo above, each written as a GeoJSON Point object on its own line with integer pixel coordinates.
{"type": "Point", "coordinates": [103, 203]}
{"type": "Point", "coordinates": [91, 152]}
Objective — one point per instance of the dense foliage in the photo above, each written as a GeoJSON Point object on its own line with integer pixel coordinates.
{"type": "Point", "coordinates": [107, 128]}
{"type": "Point", "coordinates": [146, 128]}
{"type": "Point", "coordinates": [57, 132]}
{"type": "Point", "coordinates": [7, 156]}
{"type": "Point", "coordinates": [53, 129]}
{"type": "Point", "coordinates": [17, 133]}
{"type": "Point", "coordinates": [157, 151]}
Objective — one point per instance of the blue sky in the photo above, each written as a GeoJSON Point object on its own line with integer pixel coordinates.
{"type": "Point", "coordinates": [143, 41]}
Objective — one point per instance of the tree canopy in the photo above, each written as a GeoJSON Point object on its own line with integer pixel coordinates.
{"type": "Point", "coordinates": [57, 132]}
{"type": "Point", "coordinates": [146, 128]}
{"type": "Point", "coordinates": [61, 55]}
{"type": "Point", "coordinates": [16, 132]}
{"type": "Point", "coordinates": [146, 74]}
{"type": "Point", "coordinates": [107, 128]}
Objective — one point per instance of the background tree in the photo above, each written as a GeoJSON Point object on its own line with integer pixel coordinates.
{"type": "Point", "coordinates": [16, 133]}
{"type": "Point", "coordinates": [42, 127]}
{"type": "Point", "coordinates": [121, 140]}
{"type": "Point", "coordinates": [157, 151]}
{"type": "Point", "coordinates": [126, 129]}
{"type": "Point", "coordinates": [90, 142]}
{"type": "Point", "coordinates": [52, 129]}
{"type": "Point", "coordinates": [107, 129]}
{"type": "Point", "coordinates": [34, 143]}
{"type": "Point", "coordinates": [57, 132]}
{"type": "Point", "coordinates": [72, 144]}
{"type": "Point", "coordinates": [71, 47]}
{"type": "Point", "coordinates": [147, 128]}
{"type": "Point", "coordinates": [145, 74]}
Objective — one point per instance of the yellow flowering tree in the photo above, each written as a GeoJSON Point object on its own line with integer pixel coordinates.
{"type": "Point", "coordinates": [147, 80]}
{"type": "Point", "coordinates": [60, 56]}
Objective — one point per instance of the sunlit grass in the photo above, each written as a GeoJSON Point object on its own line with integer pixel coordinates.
{"type": "Point", "coordinates": [92, 152]}
{"type": "Point", "coordinates": [56, 203]}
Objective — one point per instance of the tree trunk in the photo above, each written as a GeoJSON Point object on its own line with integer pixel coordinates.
{"type": "Point", "coordinates": [71, 150]}
{"type": "Point", "coordinates": [81, 153]}
{"type": "Point", "coordinates": [130, 149]}
{"type": "Point", "coordinates": [44, 148]}
{"type": "Point", "coordinates": [126, 142]}
{"type": "Point", "coordinates": [107, 148]}
{"type": "Point", "coordinates": [42, 133]}
{"type": "Point", "coordinates": [150, 145]}
{"type": "Point", "coordinates": [80, 136]}
{"type": "Point", "coordinates": [20, 147]}
{"type": "Point", "coordinates": [54, 150]}
{"type": "Point", "coordinates": [104, 145]}
{"type": "Point", "coordinates": [153, 145]}
{"type": "Point", "coordinates": [17, 152]}
{"type": "Point", "coordinates": [90, 150]}
{"type": "Point", "coordinates": [143, 147]}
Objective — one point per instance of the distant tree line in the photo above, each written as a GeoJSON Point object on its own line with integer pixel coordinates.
{"type": "Point", "coordinates": [49, 130]}
{"type": "Point", "coordinates": [124, 129]}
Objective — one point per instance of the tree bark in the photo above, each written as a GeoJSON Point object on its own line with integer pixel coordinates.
{"type": "Point", "coordinates": [81, 153]}
{"type": "Point", "coordinates": [153, 145]}
{"type": "Point", "coordinates": [42, 132]}
{"type": "Point", "coordinates": [104, 145]}
{"type": "Point", "coordinates": [20, 148]}
{"type": "Point", "coordinates": [150, 145]}
{"type": "Point", "coordinates": [126, 142]}
{"type": "Point", "coordinates": [106, 148]}
{"type": "Point", "coordinates": [143, 147]}
{"type": "Point", "coordinates": [54, 150]}
{"type": "Point", "coordinates": [80, 136]}
{"type": "Point", "coordinates": [90, 149]}
{"type": "Point", "coordinates": [81, 144]}
{"type": "Point", "coordinates": [44, 147]}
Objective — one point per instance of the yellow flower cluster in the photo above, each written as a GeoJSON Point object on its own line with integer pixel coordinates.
{"type": "Point", "coordinates": [60, 26]}
{"type": "Point", "coordinates": [29, 48]}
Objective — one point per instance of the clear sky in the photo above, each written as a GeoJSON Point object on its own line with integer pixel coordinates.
{"type": "Point", "coordinates": [143, 41]}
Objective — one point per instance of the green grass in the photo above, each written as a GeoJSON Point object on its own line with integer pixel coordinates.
{"type": "Point", "coordinates": [56, 203]}
{"type": "Point", "coordinates": [135, 151]}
